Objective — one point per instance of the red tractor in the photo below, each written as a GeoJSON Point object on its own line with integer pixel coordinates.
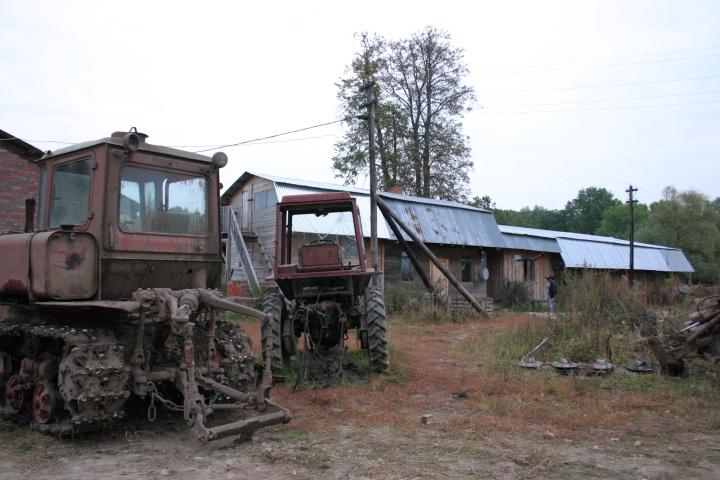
{"type": "Point", "coordinates": [324, 281]}
{"type": "Point", "coordinates": [115, 294]}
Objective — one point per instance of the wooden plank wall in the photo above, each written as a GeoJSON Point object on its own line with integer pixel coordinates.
{"type": "Point", "coordinates": [503, 268]}
{"type": "Point", "coordinates": [454, 255]}
{"type": "Point", "coordinates": [262, 229]}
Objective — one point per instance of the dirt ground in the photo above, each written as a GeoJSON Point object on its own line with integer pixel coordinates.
{"type": "Point", "coordinates": [373, 430]}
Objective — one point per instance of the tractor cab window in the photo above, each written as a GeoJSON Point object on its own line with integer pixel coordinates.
{"type": "Point", "coordinates": [70, 194]}
{"type": "Point", "coordinates": [329, 229]}
{"type": "Point", "coordinates": [157, 201]}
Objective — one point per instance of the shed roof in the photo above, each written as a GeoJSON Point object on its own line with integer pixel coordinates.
{"type": "Point", "coordinates": [434, 221]}
{"type": "Point", "coordinates": [580, 250]}
{"type": "Point", "coordinates": [19, 146]}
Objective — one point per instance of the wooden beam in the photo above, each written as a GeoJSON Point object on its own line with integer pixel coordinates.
{"type": "Point", "coordinates": [460, 288]}
{"type": "Point", "coordinates": [393, 226]}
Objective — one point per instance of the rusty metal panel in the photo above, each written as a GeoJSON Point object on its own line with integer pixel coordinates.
{"type": "Point", "coordinates": [447, 223]}
{"type": "Point", "coordinates": [15, 269]}
{"type": "Point", "coordinates": [63, 266]}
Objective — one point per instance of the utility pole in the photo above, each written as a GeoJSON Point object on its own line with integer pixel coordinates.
{"type": "Point", "coordinates": [370, 105]}
{"type": "Point", "coordinates": [630, 202]}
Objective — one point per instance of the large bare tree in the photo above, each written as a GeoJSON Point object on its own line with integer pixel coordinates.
{"type": "Point", "coordinates": [420, 98]}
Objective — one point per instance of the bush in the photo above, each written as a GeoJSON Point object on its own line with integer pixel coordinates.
{"type": "Point", "coordinates": [595, 321]}
{"type": "Point", "coordinates": [414, 304]}
{"type": "Point", "coordinates": [515, 296]}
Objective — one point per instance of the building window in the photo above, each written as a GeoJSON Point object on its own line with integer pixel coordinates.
{"type": "Point", "coordinates": [466, 270]}
{"type": "Point", "coordinates": [529, 270]}
{"type": "Point", "coordinates": [265, 199]}
{"type": "Point", "coordinates": [407, 271]}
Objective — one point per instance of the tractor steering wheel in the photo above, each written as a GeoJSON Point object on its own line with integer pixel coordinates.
{"type": "Point", "coordinates": [322, 241]}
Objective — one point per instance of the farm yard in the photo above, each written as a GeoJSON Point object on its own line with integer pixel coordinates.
{"type": "Point", "coordinates": [454, 405]}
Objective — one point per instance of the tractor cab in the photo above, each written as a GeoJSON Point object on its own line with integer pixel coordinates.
{"type": "Point", "coordinates": [320, 246]}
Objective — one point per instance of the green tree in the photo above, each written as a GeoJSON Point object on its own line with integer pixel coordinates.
{"type": "Point", "coordinates": [536, 217]}
{"type": "Point", "coordinates": [485, 202]}
{"type": "Point", "coordinates": [616, 220]}
{"type": "Point", "coordinates": [689, 221]}
{"type": "Point", "coordinates": [420, 99]}
{"type": "Point", "coordinates": [584, 214]}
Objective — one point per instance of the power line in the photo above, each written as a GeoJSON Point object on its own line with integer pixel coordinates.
{"type": "Point", "coordinates": [600, 86]}
{"type": "Point", "coordinates": [599, 66]}
{"type": "Point", "coordinates": [599, 108]}
{"type": "Point", "coordinates": [609, 100]}
{"type": "Point", "coordinates": [601, 60]}
{"type": "Point", "coordinates": [271, 136]}
{"type": "Point", "coordinates": [261, 143]}
{"type": "Point", "coordinates": [36, 141]}
{"type": "Point", "coordinates": [527, 149]}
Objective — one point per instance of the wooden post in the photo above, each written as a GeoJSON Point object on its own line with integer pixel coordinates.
{"type": "Point", "coordinates": [393, 226]}
{"type": "Point", "coordinates": [463, 291]}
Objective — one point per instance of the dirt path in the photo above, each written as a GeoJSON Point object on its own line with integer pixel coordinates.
{"type": "Point", "coordinates": [480, 428]}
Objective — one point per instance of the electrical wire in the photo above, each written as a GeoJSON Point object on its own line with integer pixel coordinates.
{"type": "Point", "coordinates": [597, 66]}
{"type": "Point", "coordinates": [539, 158]}
{"type": "Point", "coordinates": [608, 100]}
{"type": "Point", "coordinates": [600, 108]}
{"type": "Point", "coordinates": [271, 136]}
{"type": "Point", "coordinates": [599, 86]}
{"type": "Point", "coordinates": [602, 59]}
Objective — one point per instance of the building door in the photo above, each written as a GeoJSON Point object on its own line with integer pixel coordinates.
{"type": "Point", "coordinates": [437, 278]}
{"type": "Point", "coordinates": [247, 211]}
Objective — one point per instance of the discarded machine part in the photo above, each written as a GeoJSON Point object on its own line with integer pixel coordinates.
{"type": "Point", "coordinates": [601, 366]}
{"type": "Point", "coordinates": [324, 283]}
{"type": "Point", "coordinates": [542, 346]}
{"type": "Point", "coordinates": [530, 362]}
{"type": "Point", "coordinates": [565, 365]}
{"type": "Point", "coordinates": [115, 296]}
{"type": "Point", "coordinates": [639, 366]}
{"type": "Point", "coordinates": [700, 339]}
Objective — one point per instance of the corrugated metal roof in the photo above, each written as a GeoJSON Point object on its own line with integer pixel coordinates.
{"type": "Point", "coordinates": [527, 242]}
{"type": "Point", "coordinates": [451, 223]}
{"type": "Point", "coordinates": [434, 221]}
{"type": "Point", "coordinates": [613, 256]}
{"type": "Point", "coordinates": [580, 250]}
{"type": "Point", "coordinates": [446, 223]}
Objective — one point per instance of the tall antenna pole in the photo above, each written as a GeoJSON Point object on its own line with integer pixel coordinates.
{"type": "Point", "coordinates": [370, 104]}
{"type": "Point", "coordinates": [630, 202]}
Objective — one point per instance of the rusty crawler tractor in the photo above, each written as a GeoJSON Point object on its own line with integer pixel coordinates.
{"type": "Point", "coordinates": [323, 280]}
{"type": "Point", "coordinates": [115, 295]}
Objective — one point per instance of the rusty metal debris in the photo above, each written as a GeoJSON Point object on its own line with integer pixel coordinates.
{"type": "Point", "coordinates": [530, 362]}
{"type": "Point", "coordinates": [565, 365]}
{"type": "Point", "coordinates": [601, 365]}
{"type": "Point", "coordinates": [639, 366]}
{"type": "Point", "coordinates": [700, 338]}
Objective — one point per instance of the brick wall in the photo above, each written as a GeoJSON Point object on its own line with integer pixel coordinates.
{"type": "Point", "coordinates": [19, 179]}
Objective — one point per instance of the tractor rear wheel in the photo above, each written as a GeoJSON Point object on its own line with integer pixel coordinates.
{"type": "Point", "coordinates": [378, 351]}
{"type": "Point", "coordinates": [274, 305]}
{"type": "Point", "coordinates": [284, 339]}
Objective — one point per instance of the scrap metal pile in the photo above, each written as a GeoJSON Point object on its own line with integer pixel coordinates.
{"type": "Point", "coordinates": [698, 337]}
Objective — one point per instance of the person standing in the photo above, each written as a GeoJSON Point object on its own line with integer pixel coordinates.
{"type": "Point", "coordinates": [551, 292]}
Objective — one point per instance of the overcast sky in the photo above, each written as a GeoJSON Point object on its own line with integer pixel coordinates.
{"type": "Point", "coordinates": [571, 94]}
